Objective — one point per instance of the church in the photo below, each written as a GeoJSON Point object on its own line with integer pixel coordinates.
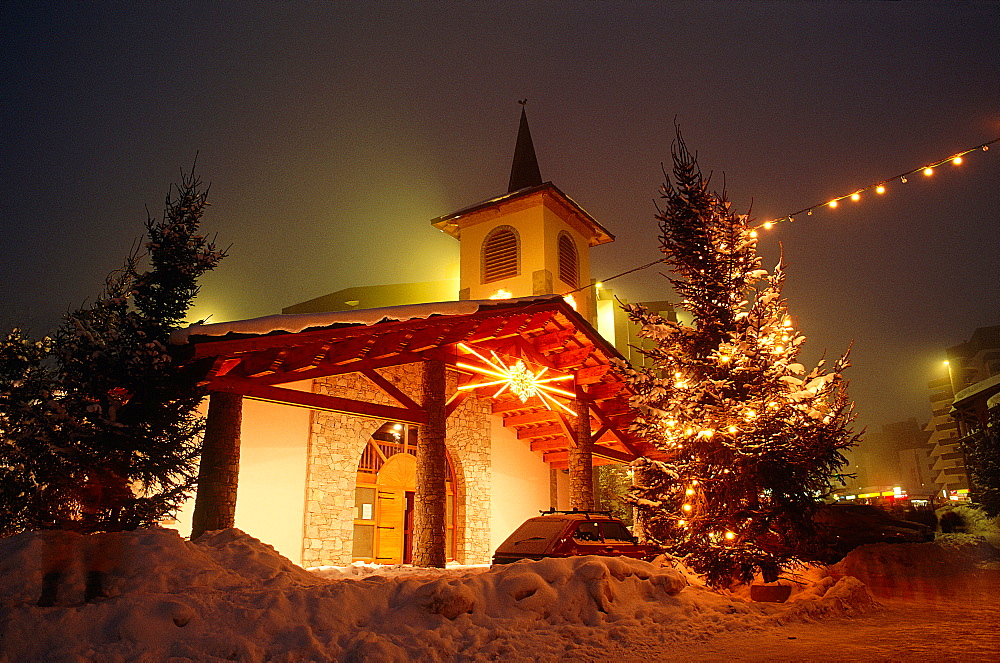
{"type": "Point", "coordinates": [421, 431]}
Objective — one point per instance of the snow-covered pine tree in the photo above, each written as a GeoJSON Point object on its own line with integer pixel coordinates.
{"type": "Point", "coordinates": [982, 452]}
{"type": "Point", "coordinates": [98, 426]}
{"type": "Point", "coordinates": [749, 438]}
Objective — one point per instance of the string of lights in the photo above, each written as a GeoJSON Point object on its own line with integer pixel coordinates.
{"type": "Point", "coordinates": [879, 188]}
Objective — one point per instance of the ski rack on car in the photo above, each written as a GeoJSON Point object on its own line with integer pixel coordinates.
{"type": "Point", "coordinates": [578, 512]}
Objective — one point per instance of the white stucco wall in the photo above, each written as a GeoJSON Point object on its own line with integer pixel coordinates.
{"type": "Point", "coordinates": [520, 482]}
{"type": "Point", "coordinates": [270, 502]}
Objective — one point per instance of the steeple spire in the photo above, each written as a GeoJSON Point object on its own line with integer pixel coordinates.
{"type": "Point", "coordinates": [524, 171]}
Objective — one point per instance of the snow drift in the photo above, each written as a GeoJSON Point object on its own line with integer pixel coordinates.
{"type": "Point", "coordinates": [229, 596]}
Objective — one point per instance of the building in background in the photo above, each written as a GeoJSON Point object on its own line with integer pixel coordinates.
{"type": "Point", "coordinates": [967, 364]}
{"type": "Point", "coordinates": [891, 465]}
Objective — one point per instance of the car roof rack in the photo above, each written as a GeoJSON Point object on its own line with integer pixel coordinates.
{"type": "Point", "coordinates": [579, 512]}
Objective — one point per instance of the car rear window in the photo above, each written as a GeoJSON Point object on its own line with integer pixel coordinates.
{"type": "Point", "coordinates": [533, 537]}
{"type": "Point", "coordinates": [613, 531]}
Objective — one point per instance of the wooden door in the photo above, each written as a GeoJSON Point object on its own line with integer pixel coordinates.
{"type": "Point", "coordinates": [396, 477]}
{"type": "Point", "coordinates": [391, 506]}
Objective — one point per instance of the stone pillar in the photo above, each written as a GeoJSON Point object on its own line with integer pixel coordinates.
{"type": "Point", "coordinates": [219, 470]}
{"type": "Point", "coordinates": [430, 499]}
{"type": "Point", "coordinates": [581, 460]}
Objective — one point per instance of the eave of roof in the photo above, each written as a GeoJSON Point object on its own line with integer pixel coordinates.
{"type": "Point", "coordinates": [989, 386]}
{"type": "Point", "coordinates": [450, 223]}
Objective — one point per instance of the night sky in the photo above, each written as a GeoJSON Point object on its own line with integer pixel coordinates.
{"type": "Point", "coordinates": [332, 133]}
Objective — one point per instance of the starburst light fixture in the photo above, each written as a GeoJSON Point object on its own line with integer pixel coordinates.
{"type": "Point", "coordinates": [518, 378]}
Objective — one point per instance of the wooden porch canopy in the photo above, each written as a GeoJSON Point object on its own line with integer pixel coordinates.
{"type": "Point", "coordinates": [542, 332]}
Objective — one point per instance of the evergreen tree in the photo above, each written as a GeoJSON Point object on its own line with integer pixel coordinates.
{"type": "Point", "coordinates": [98, 426]}
{"type": "Point", "coordinates": [748, 438]}
{"type": "Point", "coordinates": [982, 451]}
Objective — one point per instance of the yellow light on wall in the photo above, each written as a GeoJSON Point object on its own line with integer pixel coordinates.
{"type": "Point", "coordinates": [501, 294]}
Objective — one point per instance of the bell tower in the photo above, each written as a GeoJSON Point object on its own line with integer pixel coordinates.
{"type": "Point", "coordinates": [533, 240]}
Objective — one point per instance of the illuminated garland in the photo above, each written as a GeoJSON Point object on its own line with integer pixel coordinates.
{"type": "Point", "coordinates": [878, 187]}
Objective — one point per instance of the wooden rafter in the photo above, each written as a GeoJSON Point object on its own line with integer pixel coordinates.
{"type": "Point", "coordinates": [390, 389]}
{"type": "Point", "coordinates": [263, 392]}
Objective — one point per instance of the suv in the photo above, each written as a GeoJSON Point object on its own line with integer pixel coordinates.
{"type": "Point", "coordinates": [844, 527]}
{"type": "Point", "coordinates": [569, 533]}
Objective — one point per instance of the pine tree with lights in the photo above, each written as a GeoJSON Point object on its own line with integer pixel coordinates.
{"type": "Point", "coordinates": [99, 427]}
{"type": "Point", "coordinates": [748, 437]}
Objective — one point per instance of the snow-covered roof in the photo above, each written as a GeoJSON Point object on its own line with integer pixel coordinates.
{"type": "Point", "coordinates": [297, 322]}
{"type": "Point", "coordinates": [977, 388]}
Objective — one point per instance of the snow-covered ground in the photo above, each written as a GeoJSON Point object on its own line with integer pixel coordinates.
{"type": "Point", "coordinates": [229, 596]}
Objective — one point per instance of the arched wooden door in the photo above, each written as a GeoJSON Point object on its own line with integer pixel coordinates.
{"type": "Point", "coordinates": [386, 483]}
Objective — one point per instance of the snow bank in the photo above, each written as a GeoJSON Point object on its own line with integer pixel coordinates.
{"type": "Point", "coordinates": [229, 596]}
{"type": "Point", "coordinates": [948, 554]}
{"type": "Point", "coordinates": [975, 521]}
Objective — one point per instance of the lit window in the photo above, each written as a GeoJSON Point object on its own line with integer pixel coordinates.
{"type": "Point", "coordinates": [501, 254]}
{"type": "Point", "coordinates": [569, 260]}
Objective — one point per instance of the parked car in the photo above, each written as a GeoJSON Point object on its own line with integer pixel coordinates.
{"type": "Point", "coordinates": [569, 533]}
{"type": "Point", "coordinates": [844, 527]}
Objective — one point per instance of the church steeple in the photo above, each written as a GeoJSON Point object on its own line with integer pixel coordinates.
{"type": "Point", "coordinates": [524, 171]}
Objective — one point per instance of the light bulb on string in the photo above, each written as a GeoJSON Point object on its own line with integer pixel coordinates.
{"type": "Point", "coordinates": [833, 203]}
{"type": "Point", "coordinates": [768, 225]}
{"type": "Point", "coordinates": [855, 196]}
{"type": "Point", "coordinates": [902, 178]}
{"type": "Point", "coordinates": [880, 189]}
{"type": "Point", "coordinates": [928, 171]}
{"type": "Point", "coordinates": [957, 161]}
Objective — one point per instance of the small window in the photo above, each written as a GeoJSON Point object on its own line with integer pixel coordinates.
{"type": "Point", "coordinates": [501, 254]}
{"type": "Point", "coordinates": [613, 531]}
{"type": "Point", "coordinates": [587, 533]}
{"type": "Point", "coordinates": [569, 260]}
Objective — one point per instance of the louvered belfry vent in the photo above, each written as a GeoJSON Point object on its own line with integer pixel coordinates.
{"type": "Point", "coordinates": [501, 257]}
{"type": "Point", "coordinates": [569, 260]}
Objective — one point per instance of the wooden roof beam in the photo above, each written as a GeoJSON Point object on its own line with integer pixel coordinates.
{"type": "Point", "coordinates": [316, 401]}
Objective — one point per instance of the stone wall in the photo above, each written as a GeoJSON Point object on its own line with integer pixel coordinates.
{"type": "Point", "coordinates": [336, 442]}
{"type": "Point", "coordinates": [469, 445]}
